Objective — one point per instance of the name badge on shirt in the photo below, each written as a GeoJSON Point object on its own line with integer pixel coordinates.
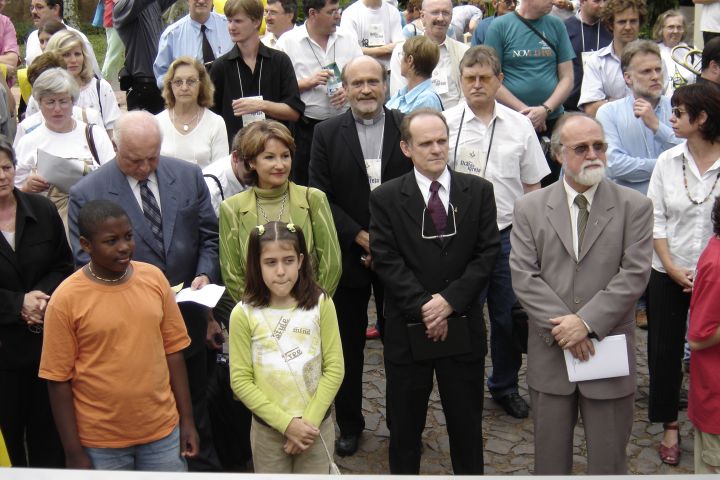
{"type": "Point", "coordinates": [249, 118]}
{"type": "Point", "coordinates": [376, 35]}
{"type": "Point", "coordinates": [585, 56]}
{"type": "Point", "coordinates": [334, 82]}
{"type": "Point", "coordinates": [470, 160]}
{"type": "Point", "coordinates": [373, 167]}
{"type": "Point", "coordinates": [440, 81]}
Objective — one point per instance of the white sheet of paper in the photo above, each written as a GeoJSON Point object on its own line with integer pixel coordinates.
{"type": "Point", "coordinates": [58, 171]}
{"type": "Point", "coordinates": [610, 360]}
{"type": "Point", "coordinates": [209, 295]}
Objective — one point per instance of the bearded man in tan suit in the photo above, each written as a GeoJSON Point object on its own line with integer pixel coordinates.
{"type": "Point", "coordinates": [578, 267]}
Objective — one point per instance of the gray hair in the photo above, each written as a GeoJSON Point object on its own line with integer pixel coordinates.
{"type": "Point", "coordinates": [55, 81]}
{"type": "Point", "coordinates": [555, 144]}
{"type": "Point", "coordinates": [135, 122]}
{"type": "Point", "coordinates": [637, 47]}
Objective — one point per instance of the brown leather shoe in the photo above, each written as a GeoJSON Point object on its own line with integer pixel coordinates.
{"type": "Point", "coordinates": [641, 319]}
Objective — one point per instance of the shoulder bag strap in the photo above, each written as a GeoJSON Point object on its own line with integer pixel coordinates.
{"type": "Point", "coordinates": [217, 180]}
{"type": "Point", "coordinates": [537, 32]}
{"type": "Point", "coordinates": [91, 141]}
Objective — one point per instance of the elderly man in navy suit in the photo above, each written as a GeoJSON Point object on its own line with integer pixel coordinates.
{"type": "Point", "coordinates": [175, 229]}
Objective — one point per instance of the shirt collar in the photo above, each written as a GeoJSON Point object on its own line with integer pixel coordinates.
{"type": "Point", "coordinates": [589, 194]}
{"type": "Point", "coordinates": [470, 115]}
{"type": "Point", "coordinates": [152, 178]}
{"type": "Point", "coordinates": [361, 121]}
{"type": "Point", "coordinates": [606, 50]}
{"type": "Point", "coordinates": [415, 92]}
{"type": "Point", "coordinates": [263, 51]}
{"type": "Point", "coordinates": [424, 183]}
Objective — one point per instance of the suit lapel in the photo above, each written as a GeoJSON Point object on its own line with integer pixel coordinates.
{"type": "Point", "coordinates": [459, 202]}
{"type": "Point", "coordinates": [21, 210]}
{"type": "Point", "coordinates": [412, 200]}
{"type": "Point", "coordinates": [559, 216]}
{"type": "Point", "coordinates": [168, 201]}
{"type": "Point", "coordinates": [349, 135]}
{"type": "Point", "coordinates": [119, 192]}
{"type": "Point", "coordinates": [391, 138]}
{"type": "Point", "coordinates": [601, 212]}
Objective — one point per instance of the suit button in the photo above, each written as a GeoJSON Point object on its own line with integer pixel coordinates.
{"type": "Point", "coordinates": [577, 269]}
{"type": "Point", "coordinates": [577, 300]}
{"type": "Point", "coordinates": [445, 254]}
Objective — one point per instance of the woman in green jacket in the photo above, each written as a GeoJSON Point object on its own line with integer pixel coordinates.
{"type": "Point", "coordinates": [266, 148]}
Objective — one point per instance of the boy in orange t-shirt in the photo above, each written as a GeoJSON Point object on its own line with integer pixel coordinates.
{"type": "Point", "coordinates": [112, 355]}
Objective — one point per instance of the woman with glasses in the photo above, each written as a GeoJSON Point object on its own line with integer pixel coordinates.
{"type": "Point", "coordinates": [683, 187]}
{"type": "Point", "coordinates": [190, 130]}
{"type": "Point", "coordinates": [34, 259]}
{"type": "Point", "coordinates": [59, 136]}
{"type": "Point", "coordinates": [266, 149]}
{"type": "Point", "coordinates": [668, 32]}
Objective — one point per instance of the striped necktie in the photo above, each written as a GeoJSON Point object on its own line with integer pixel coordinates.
{"type": "Point", "coordinates": [151, 210]}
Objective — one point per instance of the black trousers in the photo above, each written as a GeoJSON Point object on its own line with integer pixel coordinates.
{"type": "Point", "coordinates": [195, 355]}
{"type": "Point", "coordinates": [303, 131]}
{"type": "Point", "coordinates": [667, 310]}
{"type": "Point", "coordinates": [351, 306]}
{"type": "Point", "coordinates": [460, 385]}
{"type": "Point", "coordinates": [145, 96]}
{"type": "Point", "coordinates": [26, 420]}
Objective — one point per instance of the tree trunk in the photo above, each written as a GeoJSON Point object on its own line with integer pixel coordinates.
{"type": "Point", "coordinates": [70, 14]}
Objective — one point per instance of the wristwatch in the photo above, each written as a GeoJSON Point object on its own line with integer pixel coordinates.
{"type": "Point", "coordinates": [548, 110]}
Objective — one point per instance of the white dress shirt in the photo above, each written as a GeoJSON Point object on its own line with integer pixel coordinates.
{"type": "Point", "coordinates": [516, 156]}
{"type": "Point", "coordinates": [424, 185]}
{"type": "Point", "coordinates": [589, 195]}
{"type": "Point", "coordinates": [222, 170]}
{"type": "Point", "coordinates": [686, 226]}
{"type": "Point", "coordinates": [602, 77]}
{"type": "Point", "coordinates": [308, 57]}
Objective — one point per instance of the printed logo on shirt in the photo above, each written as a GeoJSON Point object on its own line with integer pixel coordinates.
{"type": "Point", "coordinates": [303, 331]}
{"type": "Point", "coordinates": [281, 326]}
{"type": "Point", "coordinates": [543, 51]}
{"type": "Point", "coordinates": [294, 353]}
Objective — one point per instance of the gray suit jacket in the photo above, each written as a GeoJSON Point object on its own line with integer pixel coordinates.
{"type": "Point", "coordinates": [190, 229]}
{"type": "Point", "coordinates": [601, 287]}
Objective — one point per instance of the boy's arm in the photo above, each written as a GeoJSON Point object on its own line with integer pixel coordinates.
{"type": "Point", "coordinates": [61, 401]}
{"type": "Point", "coordinates": [189, 440]}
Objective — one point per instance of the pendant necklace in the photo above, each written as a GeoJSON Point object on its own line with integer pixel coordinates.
{"type": "Point", "coordinates": [186, 126]}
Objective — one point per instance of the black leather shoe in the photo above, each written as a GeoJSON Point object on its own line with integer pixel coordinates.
{"type": "Point", "coordinates": [347, 445]}
{"type": "Point", "coordinates": [514, 405]}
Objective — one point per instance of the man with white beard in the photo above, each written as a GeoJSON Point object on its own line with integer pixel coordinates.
{"type": "Point", "coordinates": [580, 288]}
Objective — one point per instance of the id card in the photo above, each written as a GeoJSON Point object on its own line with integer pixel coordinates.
{"type": "Point", "coordinates": [333, 82]}
{"type": "Point", "coordinates": [440, 81]}
{"type": "Point", "coordinates": [376, 35]}
{"type": "Point", "coordinates": [373, 167]}
{"type": "Point", "coordinates": [249, 118]}
{"type": "Point", "coordinates": [470, 160]}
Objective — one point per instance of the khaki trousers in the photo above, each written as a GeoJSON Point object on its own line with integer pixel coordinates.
{"type": "Point", "coordinates": [269, 457]}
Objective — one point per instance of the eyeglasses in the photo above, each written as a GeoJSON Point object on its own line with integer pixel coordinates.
{"type": "Point", "coordinates": [189, 82]}
{"type": "Point", "coordinates": [51, 103]}
{"type": "Point", "coordinates": [583, 149]}
{"type": "Point", "coordinates": [451, 212]}
{"type": "Point", "coordinates": [439, 13]}
{"type": "Point", "coordinates": [677, 113]}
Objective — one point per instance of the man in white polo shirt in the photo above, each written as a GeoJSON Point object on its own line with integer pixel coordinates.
{"type": "Point", "coordinates": [377, 26]}
{"type": "Point", "coordinates": [319, 51]}
{"type": "Point", "coordinates": [436, 16]}
{"type": "Point", "coordinates": [497, 143]}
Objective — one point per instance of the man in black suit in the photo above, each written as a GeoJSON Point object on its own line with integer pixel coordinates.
{"type": "Point", "coordinates": [352, 154]}
{"type": "Point", "coordinates": [434, 242]}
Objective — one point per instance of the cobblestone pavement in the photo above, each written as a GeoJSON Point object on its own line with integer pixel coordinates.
{"type": "Point", "coordinates": [508, 441]}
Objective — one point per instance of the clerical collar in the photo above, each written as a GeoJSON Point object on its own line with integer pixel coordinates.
{"type": "Point", "coordinates": [371, 121]}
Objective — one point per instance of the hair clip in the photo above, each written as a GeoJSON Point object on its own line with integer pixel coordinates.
{"type": "Point", "coordinates": [261, 230]}
{"type": "Point", "coordinates": [291, 227]}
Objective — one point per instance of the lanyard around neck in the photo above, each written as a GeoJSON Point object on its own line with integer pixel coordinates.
{"type": "Point", "coordinates": [582, 35]}
{"type": "Point", "coordinates": [457, 142]}
{"type": "Point", "coordinates": [242, 91]}
{"type": "Point", "coordinates": [315, 55]}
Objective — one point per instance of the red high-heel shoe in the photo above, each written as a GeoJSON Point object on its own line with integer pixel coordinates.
{"type": "Point", "coordinates": [670, 455]}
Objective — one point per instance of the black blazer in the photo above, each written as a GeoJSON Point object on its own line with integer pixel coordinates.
{"type": "Point", "coordinates": [337, 167]}
{"type": "Point", "coordinates": [413, 268]}
{"type": "Point", "coordinates": [41, 260]}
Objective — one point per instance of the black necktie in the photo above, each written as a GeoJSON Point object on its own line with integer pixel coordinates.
{"type": "Point", "coordinates": [437, 209]}
{"type": "Point", "coordinates": [151, 210]}
{"type": "Point", "coordinates": [208, 55]}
